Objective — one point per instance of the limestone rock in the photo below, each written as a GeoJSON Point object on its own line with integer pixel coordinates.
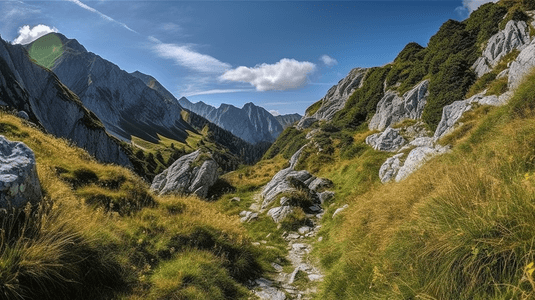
{"type": "Point", "coordinates": [248, 216]}
{"type": "Point", "coordinates": [335, 99]}
{"type": "Point", "coordinates": [19, 183]}
{"type": "Point", "coordinates": [320, 183]}
{"type": "Point", "coordinates": [339, 210]}
{"type": "Point", "coordinates": [23, 115]}
{"type": "Point", "coordinates": [453, 112]}
{"type": "Point", "coordinates": [326, 196]}
{"type": "Point", "coordinates": [279, 213]}
{"type": "Point", "coordinates": [295, 157]}
{"type": "Point", "coordinates": [390, 168]}
{"type": "Point", "coordinates": [184, 177]}
{"type": "Point", "coordinates": [393, 109]}
{"type": "Point", "coordinates": [514, 36]}
{"type": "Point", "coordinates": [388, 140]}
{"type": "Point", "coordinates": [521, 66]}
{"type": "Point", "coordinates": [416, 158]}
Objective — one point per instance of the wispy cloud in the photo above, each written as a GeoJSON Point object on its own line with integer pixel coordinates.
{"type": "Point", "coordinates": [285, 103]}
{"type": "Point", "coordinates": [185, 56]}
{"type": "Point", "coordinates": [106, 17]}
{"type": "Point", "coordinates": [283, 75]}
{"type": "Point", "coordinates": [28, 35]}
{"type": "Point", "coordinates": [328, 61]}
{"type": "Point", "coordinates": [218, 91]}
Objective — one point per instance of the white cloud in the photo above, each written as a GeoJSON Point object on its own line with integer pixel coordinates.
{"type": "Point", "coordinates": [86, 7]}
{"type": "Point", "coordinates": [328, 61]}
{"type": "Point", "coordinates": [217, 91]}
{"type": "Point", "coordinates": [274, 112]}
{"type": "Point", "coordinates": [283, 75]}
{"type": "Point", "coordinates": [471, 5]}
{"type": "Point", "coordinates": [28, 35]}
{"type": "Point", "coordinates": [185, 56]}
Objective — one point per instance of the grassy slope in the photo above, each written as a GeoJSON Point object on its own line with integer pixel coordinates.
{"type": "Point", "coordinates": [459, 228]}
{"type": "Point", "coordinates": [100, 234]}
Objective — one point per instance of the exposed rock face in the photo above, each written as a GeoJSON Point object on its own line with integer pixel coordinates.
{"type": "Point", "coordinates": [522, 65]}
{"type": "Point", "coordinates": [416, 158]}
{"type": "Point", "coordinates": [124, 103]}
{"type": "Point", "coordinates": [288, 120]}
{"type": "Point", "coordinates": [388, 140]}
{"type": "Point", "coordinates": [279, 213]}
{"type": "Point", "coordinates": [514, 36]}
{"type": "Point", "coordinates": [187, 175]}
{"type": "Point", "coordinates": [19, 183]}
{"type": "Point", "coordinates": [29, 87]}
{"type": "Point", "coordinates": [390, 168]}
{"type": "Point", "coordinates": [288, 180]}
{"type": "Point", "coordinates": [392, 108]}
{"type": "Point", "coordinates": [453, 112]}
{"type": "Point", "coordinates": [336, 98]}
{"type": "Point", "coordinates": [251, 123]}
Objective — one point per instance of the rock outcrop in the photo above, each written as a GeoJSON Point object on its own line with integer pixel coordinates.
{"type": "Point", "coordinates": [392, 108]}
{"type": "Point", "coordinates": [453, 112]}
{"type": "Point", "coordinates": [37, 91]}
{"type": "Point", "coordinates": [251, 123]}
{"type": "Point", "coordinates": [388, 140]}
{"type": "Point", "coordinates": [521, 66]}
{"type": "Point", "coordinates": [19, 183]}
{"type": "Point", "coordinates": [335, 99]}
{"type": "Point", "coordinates": [514, 36]}
{"type": "Point", "coordinates": [194, 173]}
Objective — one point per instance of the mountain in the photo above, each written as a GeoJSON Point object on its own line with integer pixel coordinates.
{"type": "Point", "coordinates": [123, 102]}
{"type": "Point", "coordinates": [252, 123]}
{"type": "Point", "coordinates": [26, 86]}
{"type": "Point", "coordinates": [288, 120]}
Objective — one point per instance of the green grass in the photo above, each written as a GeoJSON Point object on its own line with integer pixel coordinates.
{"type": "Point", "coordinates": [100, 234]}
{"type": "Point", "coordinates": [461, 227]}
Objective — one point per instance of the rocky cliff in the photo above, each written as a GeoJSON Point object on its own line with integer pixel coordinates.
{"type": "Point", "coordinates": [251, 123]}
{"type": "Point", "coordinates": [26, 86]}
{"type": "Point", "coordinates": [334, 100]}
{"type": "Point", "coordinates": [123, 102]}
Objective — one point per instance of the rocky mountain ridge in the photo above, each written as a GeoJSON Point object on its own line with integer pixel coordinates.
{"type": "Point", "coordinates": [252, 123]}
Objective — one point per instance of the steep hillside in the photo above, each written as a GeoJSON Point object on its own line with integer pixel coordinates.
{"type": "Point", "coordinates": [125, 104]}
{"type": "Point", "coordinates": [431, 163]}
{"type": "Point", "coordinates": [100, 234]}
{"type": "Point", "coordinates": [28, 87]}
{"type": "Point", "coordinates": [250, 123]}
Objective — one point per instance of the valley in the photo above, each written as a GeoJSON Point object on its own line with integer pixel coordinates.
{"type": "Point", "coordinates": [410, 180]}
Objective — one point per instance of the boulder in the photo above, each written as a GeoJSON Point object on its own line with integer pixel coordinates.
{"type": "Point", "coordinates": [23, 115]}
{"type": "Point", "coordinates": [185, 176]}
{"type": "Point", "coordinates": [416, 158]}
{"type": "Point", "coordinates": [393, 109]}
{"type": "Point", "coordinates": [326, 196]}
{"type": "Point", "coordinates": [248, 216]}
{"type": "Point", "coordinates": [390, 168]}
{"type": "Point", "coordinates": [279, 213]}
{"type": "Point", "coordinates": [335, 99]}
{"type": "Point", "coordinates": [514, 36]}
{"type": "Point", "coordinates": [453, 112]}
{"type": "Point", "coordinates": [388, 140]}
{"type": "Point", "coordinates": [339, 210]}
{"type": "Point", "coordinates": [521, 66]}
{"type": "Point", "coordinates": [19, 183]}
{"type": "Point", "coordinates": [320, 183]}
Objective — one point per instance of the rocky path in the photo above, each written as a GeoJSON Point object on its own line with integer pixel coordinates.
{"type": "Point", "coordinates": [302, 282]}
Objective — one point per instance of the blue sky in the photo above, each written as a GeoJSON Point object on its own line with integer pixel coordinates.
{"type": "Point", "coordinates": [281, 55]}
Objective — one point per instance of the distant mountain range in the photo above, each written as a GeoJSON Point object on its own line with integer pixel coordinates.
{"type": "Point", "coordinates": [252, 123]}
{"type": "Point", "coordinates": [288, 120]}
